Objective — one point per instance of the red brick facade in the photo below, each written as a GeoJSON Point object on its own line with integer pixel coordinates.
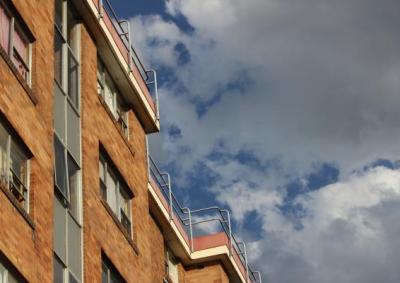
{"type": "Point", "coordinates": [26, 239]}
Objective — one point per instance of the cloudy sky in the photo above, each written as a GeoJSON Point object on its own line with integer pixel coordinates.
{"type": "Point", "coordinates": [287, 113]}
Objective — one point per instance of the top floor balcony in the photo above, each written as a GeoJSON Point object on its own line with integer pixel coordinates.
{"type": "Point", "coordinates": [114, 46]}
{"type": "Point", "coordinates": [201, 235]}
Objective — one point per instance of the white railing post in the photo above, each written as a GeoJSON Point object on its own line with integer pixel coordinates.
{"type": "Point", "coordinates": [230, 231]}
{"type": "Point", "coordinates": [244, 253]}
{"type": "Point", "coordinates": [191, 231]}
{"type": "Point", "coordinates": [128, 35]}
{"type": "Point", "coordinates": [154, 82]}
{"type": "Point", "coordinates": [171, 210]}
{"type": "Point", "coordinates": [148, 158]}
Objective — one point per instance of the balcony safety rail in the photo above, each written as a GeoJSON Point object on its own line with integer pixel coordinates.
{"type": "Point", "coordinates": [195, 225]}
{"type": "Point", "coordinates": [120, 29]}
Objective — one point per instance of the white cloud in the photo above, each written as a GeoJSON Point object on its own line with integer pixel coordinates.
{"type": "Point", "coordinates": [320, 85]}
{"type": "Point", "coordinates": [349, 234]}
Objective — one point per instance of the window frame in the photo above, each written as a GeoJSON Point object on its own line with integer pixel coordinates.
{"type": "Point", "coordinates": [70, 152]}
{"type": "Point", "coordinates": [9, 174]}
{"type": "Point", "coordinates": [65, 198]}
{"type": "Point", "coordinates": [8, 269]}
{"type": "Point", "coordinates": [66, 272]}
{"type": "Point", "coordinates": [68, 141]}
{"type": "Point", "coordinates": [171, 261]}
{"type": "Point", "coordinates": [117, 107]}
{"type": "Point", "coordinates": [17, 25]}
{"type": "Point", "coordinates": [67, 52]}
{"type": "Point", "coordinates": [108, 266]}
{"type": "Point", "coordinates": [121, 189]}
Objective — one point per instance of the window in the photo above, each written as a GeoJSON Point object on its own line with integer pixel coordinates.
{"type": "Point", "coordinates": [61, 273]}
{"type": "Point", "coordinates": [16, 41]}
{"type": "Point", "coordinates": [115, 192]}
{"type": "Point", "coordinates": [67, 146]}
{"type": "Point", "coordinates": [109, 273]}
{"type": "Point", "coordinates": [58, 271]}
{"type": "Point", "coordinates": [6, 276]}
{"type": "Point", "coordinates": [8, 273]}
{"type": "Point", "coordinates": [67, 179]}
{"type": "Point", "coordinates": [67, 51]}
{"type": "Point", "coordinates": [108, 91]}
{"type": "Point", "coordinates": [172, 266]}
{"type": "Point", "coordinates": [66, 105]}
{"type": "Point", "coordinates": [67, 244]}
{"type": "Point", "coordinates": [14, 166]}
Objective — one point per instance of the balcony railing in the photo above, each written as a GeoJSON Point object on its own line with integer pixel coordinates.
{"type": "Point", "coordinates": [120, 31]}
{"type": "Point", "coordinates": [202, 228]}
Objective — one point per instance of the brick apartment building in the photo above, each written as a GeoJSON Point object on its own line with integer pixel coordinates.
{"type": "Point", "coordinates": [81, 200]}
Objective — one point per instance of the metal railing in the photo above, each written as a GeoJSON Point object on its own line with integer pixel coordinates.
{"type": "Point", "coordinates": [122, 29]}
{"type": "Point", "coordinates": [192, 220]}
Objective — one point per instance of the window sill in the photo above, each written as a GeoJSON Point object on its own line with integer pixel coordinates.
{"type": "Point", "coordinates": [15, 203]}
{"type": "Point", "coordinates": [118, 223]}
{"type": "Point", "coordinates": [102, 101]}
{"type": "Point", "coordinates": [20, 79]}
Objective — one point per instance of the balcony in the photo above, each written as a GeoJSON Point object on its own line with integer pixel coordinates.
{"type": "Point", "coordinates": [114, 45]}
{"type": "Point", "coordinates": [204, 234]}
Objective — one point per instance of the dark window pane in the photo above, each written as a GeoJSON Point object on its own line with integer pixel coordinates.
{"type": "Point", "coordinates": [59, 111]}
{"type": "Point", "coordinates": [58, 62]}
{"type": "Point", "coordinates": [104, 274]}
{"type": "Point", "coordinates": [58, 14]}
{"type": "Point", "coordinates": [7, 275]}
{"type": "Point", "coordinates": [110, 273]}
{"type": "Point", "coordinates": [74, 247]}
{"type": "Point", "coordinates": [19, 164]}
{"type": "Point", "coordinates": [60, 230]}
{"type": "Point", "coordinates": [12, 279]}
{"type": "Point", "coordinates": [72, 279]}
{"type": "Point", "coordinates": [72, 22]}
{"type": "Point", "coordinates": [124, 203]}
{"type": "Point", "coordinates": [73, 178]}
{"type": "Point", "coordinates": [73, 133]}
{"type": "Point", "coordinates": [73, 75]}
{"type": "Point", "coordinates": [3, 154]}
{"type": "Point", "coordinates": [114, 278]}
{"type": "Point", "coordinates": [18, 174]}
{"type": "Point", "coordinates": [60, 167]}
{"type": "Point", "coordinates": [58, 271]}
{"type": "Point", "coordinates": [102, 169]}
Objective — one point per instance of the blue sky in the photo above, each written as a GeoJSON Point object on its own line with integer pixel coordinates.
{"type": "Point", "coordinates": [285, 112]}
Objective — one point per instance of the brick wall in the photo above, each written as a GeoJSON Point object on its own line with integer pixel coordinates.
{"type": "Point", "coordinates": [142, 259]}
{"type": "Point", "coordinates": [28, 248]}
{"type": "Point", "coordinates": [211, 273]}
